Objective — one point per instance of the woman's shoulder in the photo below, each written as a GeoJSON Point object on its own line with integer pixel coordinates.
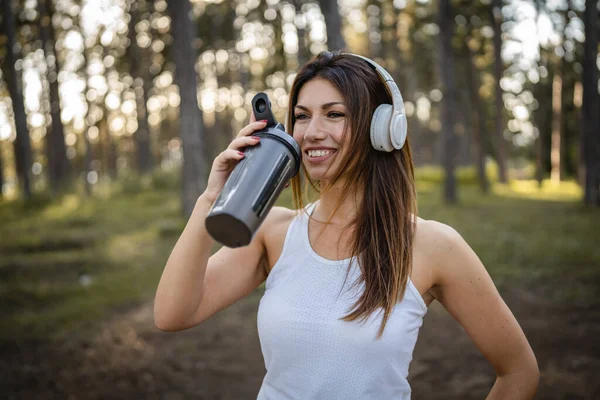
{"type": "Point", "coordinates": [436, 239]}
{"type": "Point", "coordinates": [278, 219]}
{"type": "Point", "coordinates": [279, 215]}
{"type": "Point", "coordinates": [275, 229]}
{"type": "Point", "coordinates": [443, 247]}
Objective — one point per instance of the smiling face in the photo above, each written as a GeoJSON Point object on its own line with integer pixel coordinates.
{"type": "Point", "coordinates": [320, 122]}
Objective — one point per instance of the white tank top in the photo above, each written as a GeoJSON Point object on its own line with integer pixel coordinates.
{"type": "Point", "coordinates": [309, 352]}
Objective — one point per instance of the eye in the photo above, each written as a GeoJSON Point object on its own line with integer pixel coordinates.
{"type": "Point", "coordinates": [300, 116]}
{"type": "Point", "coordinates": [335, 114]}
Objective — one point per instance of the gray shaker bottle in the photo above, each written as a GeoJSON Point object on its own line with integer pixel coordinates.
{"type": "Point", "coordinates": [255, 182]}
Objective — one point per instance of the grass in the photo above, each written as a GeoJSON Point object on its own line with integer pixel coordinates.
{"type": "Point", "coordinates": [68, 263]}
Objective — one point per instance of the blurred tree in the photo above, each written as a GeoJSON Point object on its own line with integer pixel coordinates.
{"type": "Point", "coordinates": [106, 147]}
{"type": "Point", "coordinates": [217, 134]}
{"type": "Point", "coordinates": [55, 138]}
{"type": "Point", "coordinates": [333, 22]}
{"type": "Point", "coordinates": [423, 34]}
{"type": "Point", "coordinates": [303, 52]}
{"type": "Point", "coordinates": [540, 89]}
{"type": "Point", "coordinates": [495, 11]}
{"type": "Point", "coordinates": [22, 145]}
{"type": "Point", "coordinates": [558, 105]}
{"type": "Point", "coordinates": [403, 54]}
{"type": "Point", "coordinates": [89, 150]}
{"type": "Point", "coordinates": [571, 52]}
{"type": "Point", "coordinates": [590, 141]}
{"type": "Point", "coordinates": [1, 171]}
{"type": "Point", "coordinates": [142, 81]}
{"type": "Point", "coordinates": [374, 30]}
{"type": "Point", "coordinates": [477, 110]}
{"type": "Point", "coordinates": [191, 130]}
{"type": "Point", "coordinates": [448, 80]}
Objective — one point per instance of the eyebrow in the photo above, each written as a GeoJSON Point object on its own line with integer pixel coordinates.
{"type": "Point", "coordinates": [324, 106]}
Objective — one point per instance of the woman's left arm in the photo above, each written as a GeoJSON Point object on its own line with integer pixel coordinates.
{"type": "Point", "coordinates": [466, 290]}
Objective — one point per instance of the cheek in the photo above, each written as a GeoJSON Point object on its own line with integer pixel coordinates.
{"type": "Point", "coordinates": [298, 134]}
{"type": "Point", "coordinates": [339, 135]}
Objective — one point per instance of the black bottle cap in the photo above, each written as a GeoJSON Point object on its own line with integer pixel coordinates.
{"type": "Point", "coordinates": [261, 106]}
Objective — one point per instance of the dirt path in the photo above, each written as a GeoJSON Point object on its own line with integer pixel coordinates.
{"type": "Point", "coordinates": [129, 359]}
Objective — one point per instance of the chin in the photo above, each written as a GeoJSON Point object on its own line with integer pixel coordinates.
{"type": "Point", "coordinates": [318, 174]}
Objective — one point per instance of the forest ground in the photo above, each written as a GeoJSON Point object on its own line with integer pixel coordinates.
{"type": "Point", "coordinates": [77, 279]}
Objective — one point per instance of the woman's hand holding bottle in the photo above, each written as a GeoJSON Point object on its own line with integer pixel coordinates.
{"type": "Point", "coordinates": [226, 161]}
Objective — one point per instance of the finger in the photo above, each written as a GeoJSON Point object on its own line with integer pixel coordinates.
{"type": "Point", "coordinates": [250, 128]}
{"type": "Point", "coordinates": [252, 117]}
{"type": "Point", "coordinates": [243, 141]}
{"type": "Point", "coordinates": [229, 155]}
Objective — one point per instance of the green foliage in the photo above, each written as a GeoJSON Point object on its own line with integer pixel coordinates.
{"type": "Point", "coordinates": [166, 179]}
{"type": "Point", "coordinates": [433, 174]}
{"type": "Point", "coordinates": [131, 183]}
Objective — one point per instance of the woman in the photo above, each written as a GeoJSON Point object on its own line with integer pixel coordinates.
{"type": "Point", "coordinates": [350, 276]}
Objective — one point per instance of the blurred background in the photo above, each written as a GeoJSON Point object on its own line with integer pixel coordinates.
{"type": "Point", "coordinates": [111, 112]}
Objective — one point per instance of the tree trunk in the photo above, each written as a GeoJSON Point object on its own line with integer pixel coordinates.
{"type": "Point", "coordinates": [406, 64]}
{"type": "Point", "coordinates": [555, 153]}
{"type": "Point", "coordinates": [1, 171]}
{"type": "Point", "coordinates": [538, 118]}
{"type": "Point", "coordinates": [577, 103]}
{"type": "Point", "coordinates": [539, 114]}
{"type": "Point", "coordinates": [109, 159]}
{"type": "Point", "coordinates": [373, 29]}
{"type": "Point", "coordinates": [558, 154]}
{"type": "Point", "coordinates": [446, 68]}
{"type": "Point", "coordinates": [477, 113]}
{"type": "Point", "coordinates": [138, 71]}
{"type": "Point", "coordinates": [496, 19]}
{"type": "Point", "coordinates": [191, 131]}
{"type": "Point", "coordinates": [89, 151]}
{"type": "Point", "coordinates": [22, 145]}
{"type": "Point", "coordinates": [462, 131]}
{"type": "Point", "coordinates": [333, 22]}
{"type": "Point", "coordinates": [55, 140]}
{"type": "Point", "coordinates": [303, 52]}
{"type": "Point", "coordinates": [590, 116]}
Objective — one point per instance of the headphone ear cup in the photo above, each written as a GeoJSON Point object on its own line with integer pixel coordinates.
{"type": "Point", "coordinates": [398, 133]}
{"type": "Point", "coordinates": [380, 125]}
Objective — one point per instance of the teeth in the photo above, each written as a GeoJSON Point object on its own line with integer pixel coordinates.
{"type": "Point", "coordinates": [319, 153]}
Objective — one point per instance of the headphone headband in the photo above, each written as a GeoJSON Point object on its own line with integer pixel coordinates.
{"type": "Point", "coordinates": [397, 101]}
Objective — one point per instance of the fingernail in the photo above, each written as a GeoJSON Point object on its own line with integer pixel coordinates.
{"type": "Point", "coordinates": [263, 120]}
{"type": "Point", "coordinates": [241, 153]}
{"type": "Point", "coordinates": [255, 137]}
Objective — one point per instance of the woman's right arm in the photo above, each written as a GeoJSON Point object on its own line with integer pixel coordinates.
{"type": "Point", "coordinates": [195, 285]}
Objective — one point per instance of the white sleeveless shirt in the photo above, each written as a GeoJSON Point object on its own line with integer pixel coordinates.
{"type": "Point", "coordinates": [309, 352]}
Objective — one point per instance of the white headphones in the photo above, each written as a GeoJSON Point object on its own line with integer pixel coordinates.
{"type": "Point", "coordinates": [388, 125]}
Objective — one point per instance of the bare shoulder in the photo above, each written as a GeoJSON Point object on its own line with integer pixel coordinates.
{"type": "Point", "coordinates": [274, 230]}
{"type": "Point", "coordinates": [436, 238]}
{"type": "Point", "coordinates": [444, 248]}
{"type": "Point", "coordinates": [277, 217]}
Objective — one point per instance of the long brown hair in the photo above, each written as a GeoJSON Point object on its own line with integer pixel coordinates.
{"type": "Point", "coordinates": [383, 229]}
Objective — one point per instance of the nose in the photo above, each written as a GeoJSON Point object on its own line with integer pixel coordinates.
{"type": "Point", "coordinates": [314, 130]}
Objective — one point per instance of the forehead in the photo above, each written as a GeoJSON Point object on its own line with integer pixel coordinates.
{"type": "Point", "coordinates": [318, 91]}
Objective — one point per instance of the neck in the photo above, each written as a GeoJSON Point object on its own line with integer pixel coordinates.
{"type": "Point", "coordinates": [331, 198]}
